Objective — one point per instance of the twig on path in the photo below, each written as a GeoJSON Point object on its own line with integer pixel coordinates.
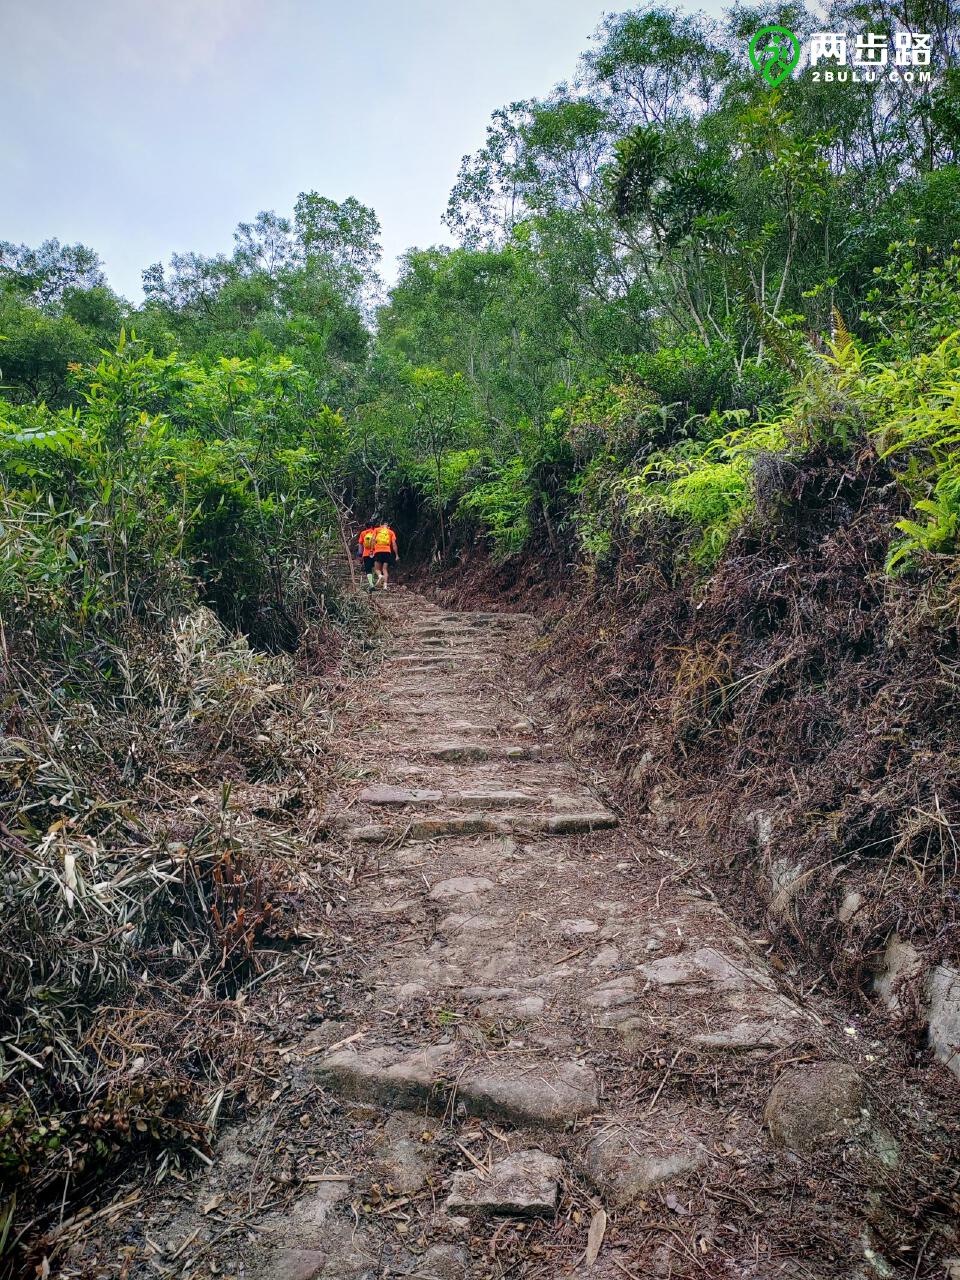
{"type": "Point", "coordinates": [666, 1076]}
{"type": "Point", "coordinates": [626, 1270]}
{"type": "Point", "coordinates": [477, 1164]}
{"type": "Point", "coordinates": [323, 1048]}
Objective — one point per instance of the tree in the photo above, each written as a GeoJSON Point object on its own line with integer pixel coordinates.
{"type": "Point", "coordinates": [341, 238]}
{"type": "Point", "coordinates": [439, 402]}
{"type": "Point", "coordinates": [41, 275]}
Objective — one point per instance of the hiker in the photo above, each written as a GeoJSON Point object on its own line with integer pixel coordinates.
{"type": "Point", "coordinates": [365, 543]}
{"type": "Point", "coordinates": [384, 552]}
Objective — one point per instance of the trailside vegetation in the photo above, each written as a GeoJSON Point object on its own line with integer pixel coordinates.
{"type": "Point", "coordinates": [691, 366]}
{"type": "Point", "coordinates": [172, 523]}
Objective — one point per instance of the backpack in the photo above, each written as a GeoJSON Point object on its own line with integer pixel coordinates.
{"type": "Point", "coordinates": [384, 540]}
{"type": "Point", "coordinates": [369, 538]}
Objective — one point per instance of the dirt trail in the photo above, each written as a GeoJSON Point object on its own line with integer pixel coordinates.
{"type": "Point", "coordinates": [553, 1054]}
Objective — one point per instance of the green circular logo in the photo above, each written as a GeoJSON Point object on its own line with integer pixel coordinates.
{"type": "Point", "coordinates": [774, 51]}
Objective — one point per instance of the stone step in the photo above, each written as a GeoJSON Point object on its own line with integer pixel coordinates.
{"type": "Point", "coordinates": [548, 1093]}
{"type": "Point", "coordinates": [390, 1076]}
{"type": "Point", "coordinates": [467, 751]}
{"type": "Point", "coordinates": [382, 794]}
{"type": "Point", "coordinates": [456, 640]}
{"type": "Point", "coordinates": [479, 618]}
{"type": "Point", "coordinates": [481, 797]}
{"type": "Point", "coordinates": [525, 1184]}
{"type": "Point", "coordinates": [438, 659]}
{"type": "Point", "coordinates": [465, 824]}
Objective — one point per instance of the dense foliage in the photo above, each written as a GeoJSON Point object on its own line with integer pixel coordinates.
{"type": "Point", "coordinates": [668, 269]}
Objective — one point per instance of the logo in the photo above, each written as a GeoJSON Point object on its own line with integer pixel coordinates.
{"type": "Point", "coordinates": [833, 58]}
{"type": "Point", "coordinates": [774, 51]}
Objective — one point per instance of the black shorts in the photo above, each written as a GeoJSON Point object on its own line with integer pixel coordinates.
{"type": "Point", "coordinates": [368, 564]}
{"type": "Point", "coordinates": [384, 557]}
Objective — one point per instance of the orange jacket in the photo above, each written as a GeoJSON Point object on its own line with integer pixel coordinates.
{"type": "Point", "coordinates": [363, 548]}
{"type": "Point", "coordinates": [386, 539]}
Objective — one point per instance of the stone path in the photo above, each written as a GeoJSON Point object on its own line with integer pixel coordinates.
{"type": "Point", "coordinates": [556, 1055]}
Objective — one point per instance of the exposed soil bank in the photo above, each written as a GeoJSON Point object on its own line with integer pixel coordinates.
{"type": "Point", "coordinates": [790, 721]}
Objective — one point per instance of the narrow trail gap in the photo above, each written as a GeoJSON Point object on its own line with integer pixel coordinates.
{"type": "Point", "coordinates": [554, 1054]}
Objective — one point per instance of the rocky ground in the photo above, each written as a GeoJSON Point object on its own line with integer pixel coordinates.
{"type": "Point", "coordinates": [548, 1053]}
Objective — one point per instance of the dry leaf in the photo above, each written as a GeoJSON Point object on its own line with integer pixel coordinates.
{"type": "Point", "coordinates": [209, 1207]}
{"type": "Point", "coordinates": [598, 1227]}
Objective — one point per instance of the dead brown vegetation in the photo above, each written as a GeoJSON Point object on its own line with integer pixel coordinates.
{"type": "Point", "coordinates": [158, 805]}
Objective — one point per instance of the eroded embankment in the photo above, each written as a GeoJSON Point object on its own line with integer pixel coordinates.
{"type": "Point", "coordinates": [789, 722]}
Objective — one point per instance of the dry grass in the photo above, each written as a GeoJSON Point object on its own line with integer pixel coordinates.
{"type": "Point", "coordinates": [158, 802]}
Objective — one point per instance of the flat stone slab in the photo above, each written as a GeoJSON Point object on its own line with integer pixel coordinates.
{"type": "Point", "coordinates": [460, 887]}
{"type": "Point", "coordinates": [573, 928]}
{"type": "Point", "coordinates": [571, 824]}
{"type": "Point", "coordinates": [613, 994]}
{"type": "Point", "coordinates": [473, 824]}
{"type": "Point", "coordinates": [401, 1153]}
{"type": "Point", "coordinates": [387, 1075]}
{"type": "Point", "coordinates": [382, 794]}
{"type": "Point", "coordinates": [705, 966]}
{"type": "Point", "coordinates": [525, 1184]}
{"type": "Point", "coordinates": [463, 751]}
{"type": "Point", "coordinates": [625, 1163]}
{"type": "Point", "coordinates": [489, 799]}
{"type": "Point", "coordinates": [464, 824]}
{"type": "Point", "coordinates": [553, 1094]}
{"type": "Point", "coordinates": [745, 1037]}
{"type": "Point", "coordinates": [944, 1015]}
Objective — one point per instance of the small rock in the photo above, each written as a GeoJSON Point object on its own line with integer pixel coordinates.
{"type": "Point", "coordinates": [295, 1264]}
{"type": "Point", "coordinates": [625, 1164]}
{"type": "Point", "coordinates": [443, 1262]}
{"type": "Point", "coordinates": [850, 905]}
{"type": "Point", "coordinates": [812, 1105]}
{"type": "Point", "coordinates": [406, 1169]}
{"type": "Point", "coordinates": [305, 1233]}
{"type": "Point", "coordinates": [524, 1184]}
{"type": "Point", "coordinates": [573, 928]}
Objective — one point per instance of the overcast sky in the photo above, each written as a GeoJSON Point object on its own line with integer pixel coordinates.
{"type": "Point", "coordinates": [145, 127]}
